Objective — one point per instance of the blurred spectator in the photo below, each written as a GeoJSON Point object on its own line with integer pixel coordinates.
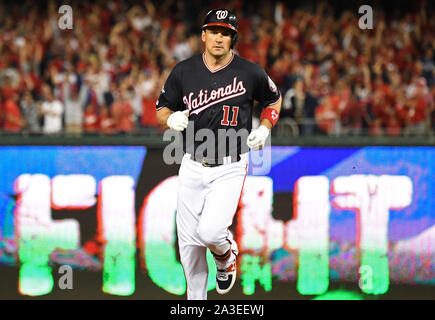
{"type": "Point", "coordinates": [148, 89]}
{"type": "Point", "coordinates": [371, 122]}
{"type": "Point", "coordinates": [141, 18]}
{"type": "Point", "coordinates": [1, 112]}
{"type": "Point", "coordinates": [97, 78]}
{"type": "Point", "coordinates": [74, 100]}
{"type": "Point", "coordinates": [90, 118]}
{"type": "Point", "coordinates": [13, 121]}
{"type": "Point", "coordinates": [350, 114]}
{"type": "Point", "coordinates": [182, 49]}
{"type": "Point", "coordinates": [122, 113]}
{"type": "Point", "coordinates": [428, 65]}
{"type": "Point", "coordinates": [107, 125]}
{"type": "Point", "coordinates": [9, 87]}
{"type": "Point", "coordinates": [30, 111]}
{"type": "Point", "coordinates": [299, 105]}
{"type": "Point", "coordinates": [52, 110]}
{"type": "Point", "coordinates": [416, 109]}
{"type": "Point", "coordinates": [432, 109]}
{"type": "Point", "coordinates": [327, 115]}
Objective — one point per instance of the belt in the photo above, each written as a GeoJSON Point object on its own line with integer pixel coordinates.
{"type": "Point", "coordinates": [210, 162]}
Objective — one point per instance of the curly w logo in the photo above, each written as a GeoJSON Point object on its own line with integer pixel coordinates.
{"type": "Point", "coordinates": [221, 14]}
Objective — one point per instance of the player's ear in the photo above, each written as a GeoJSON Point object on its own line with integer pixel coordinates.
{"type": "Point", "coordinates": [203, 35]}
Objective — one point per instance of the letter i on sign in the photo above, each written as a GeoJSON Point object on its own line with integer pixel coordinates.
{"type": "Point", "coordinates": [313, 233]}
{"type": "Point", "coordinates": [116, 208]}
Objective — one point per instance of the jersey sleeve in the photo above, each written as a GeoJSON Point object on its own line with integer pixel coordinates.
{"type": "Point", "coordinates": [266, 91]}
{"type": "Point", "coordinates": [170, 96]}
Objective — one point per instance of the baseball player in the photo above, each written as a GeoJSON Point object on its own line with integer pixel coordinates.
{"type": "Point", "coordinates": [214, 91]}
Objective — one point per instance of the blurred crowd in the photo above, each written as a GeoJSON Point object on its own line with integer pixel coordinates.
{"type": "Point", "coordinates": [105, 74]}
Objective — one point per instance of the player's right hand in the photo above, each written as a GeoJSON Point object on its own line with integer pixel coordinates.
{"type": "Point", "coordinates": [178, 120]}
{"type": "Point", "coordinates": [257, 138]}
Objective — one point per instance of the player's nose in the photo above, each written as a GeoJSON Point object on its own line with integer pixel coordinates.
{"type": "Point", "coordinates": [220, 35]}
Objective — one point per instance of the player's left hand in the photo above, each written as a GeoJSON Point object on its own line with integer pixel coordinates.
{"type": "Point", "coordinates": [257, 138]}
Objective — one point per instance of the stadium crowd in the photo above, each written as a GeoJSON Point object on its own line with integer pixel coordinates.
{"type": "Point", "coordinates": [105, 74]}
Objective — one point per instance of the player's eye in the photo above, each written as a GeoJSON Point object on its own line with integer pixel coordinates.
{"type": "Point", "coordinates": [224, 33]}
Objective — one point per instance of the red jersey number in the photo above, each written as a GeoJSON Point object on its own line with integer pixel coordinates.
{"type": "Point", "coordinates": [225, 120]}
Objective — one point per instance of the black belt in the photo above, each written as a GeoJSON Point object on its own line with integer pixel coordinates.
{"type": "Point", "coordinates": [210, 162]}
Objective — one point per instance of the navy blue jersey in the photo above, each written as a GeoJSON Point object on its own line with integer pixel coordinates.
{"type": "Point", "coordinates": [219, 100]}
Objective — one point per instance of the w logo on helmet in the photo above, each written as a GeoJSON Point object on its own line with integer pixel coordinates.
{"type": "Point", "coordinates": [221, 14]}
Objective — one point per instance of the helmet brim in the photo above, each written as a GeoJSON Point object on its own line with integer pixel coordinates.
{"type": "Point", "coordinates": [219, 24]}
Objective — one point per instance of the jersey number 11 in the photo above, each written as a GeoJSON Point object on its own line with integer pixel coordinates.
{"type": "Point", "coordinates": [225, 120]}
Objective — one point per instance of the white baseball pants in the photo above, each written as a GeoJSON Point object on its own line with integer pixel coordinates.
{"type": "Point", "coordinates": [207, 202]}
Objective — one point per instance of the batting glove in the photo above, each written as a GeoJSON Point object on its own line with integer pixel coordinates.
{"type": "Point", "coordinates": [257, 138]}
{"type": "Point", "coordinates": [178, 120]}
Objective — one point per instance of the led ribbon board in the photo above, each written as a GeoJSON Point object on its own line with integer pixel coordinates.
{"type": "Point", "coordinates": [309, 215]}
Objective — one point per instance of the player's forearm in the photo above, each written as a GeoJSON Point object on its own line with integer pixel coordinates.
{"type": "Point", "coordinates": [266, 123]}
{"type": "Point", "coordinates": [277, 108]}
{"type": "Point", "coordinates": [162, 117]}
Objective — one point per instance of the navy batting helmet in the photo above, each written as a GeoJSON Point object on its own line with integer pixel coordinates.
{"type": "Point", "coordinates": [222, 18]}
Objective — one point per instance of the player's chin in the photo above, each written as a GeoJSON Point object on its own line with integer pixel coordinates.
{"type": "Point", "coordinates": [219, 51]}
